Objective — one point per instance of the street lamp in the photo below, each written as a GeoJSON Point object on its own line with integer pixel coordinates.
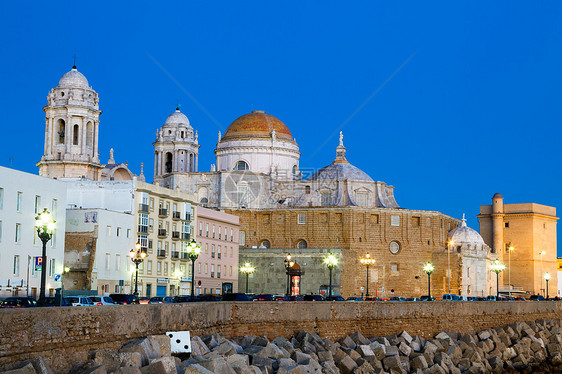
{"type": "Point", "coordinates": [547, 278]}
{"type": "Point", "coordinates": [193, 250]}
{"type": "Point", "coordinates": [428, 268]}
{"type": "Point", "coordinates": [449, 245]}
{"type": "Point", "coordinates": [497, 267]}
{"type": "Point", "coordinates": [542, 253]}
{"type": "Point", "coordinates": [65, 270]}
{"type": "Point", "coordinates": [510, 248]}
{"type": "Point", "coordinates": [247, 269]}
{"type": "Point", "coordinates": [137, 256]}
{"type": "Point", "coordinates": [288, 266]}
{"type": "Point", "coordinates": [367, 261]}
{"type": "Point", "coordinates": [45, 227]}
{"type": "Point", "coordinates": [331, 261]}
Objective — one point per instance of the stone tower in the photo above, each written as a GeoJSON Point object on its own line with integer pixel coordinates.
{"type": "Point", "coordinates": [176, 149]}
{"type": "Point", "coordinates": [71, 130]}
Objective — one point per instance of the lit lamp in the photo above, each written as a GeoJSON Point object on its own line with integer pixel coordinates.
{"type": "Point", "coordinates": [45, 225]}
{"type": "Point", "coordinates": [65, 270]}
{"type": "Point", "coordinates": [288, 266]}
{"type": "Point", "coordinates": [331, 261]}
{"type": "Point", "coordinates": [137, 256]}
{"type": "Point", "coordinates": [497, 267]}
{"type": "Point", "coordinates": [428, 268]}
{"type": "Point", "coordinates": [547, 278]}
{"type": "Point", "coordinates": [367, 261]}
{"type": "Point", "coordinates": [247, 269]}
{"type": "Point", "coordinates": [193, 250]}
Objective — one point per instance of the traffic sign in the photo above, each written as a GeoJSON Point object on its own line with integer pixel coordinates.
{"type": "Point", "coordinates": [38, 263]}
{"type": "Point", "coordinates": [57, 277]}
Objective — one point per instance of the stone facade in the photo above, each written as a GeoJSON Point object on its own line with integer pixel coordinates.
{"type": "Point", "coordinates": [531, 230]}
{"type": "Point", "coordinates": [415, 236]}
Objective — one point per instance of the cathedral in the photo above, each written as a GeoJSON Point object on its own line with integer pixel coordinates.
{"type": "Point", "coordinates": [283, 209]}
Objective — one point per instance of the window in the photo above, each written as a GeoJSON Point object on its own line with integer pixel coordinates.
{"type": "Point", "coordinates": [0, 231]}
{"type": "Point", "coordinates": [218, 271]}
{"type": "Point", "coordinates": [143, 223]}
{"type": "Point", "coordinates": [143, 240]}
{"type": "Point", "coordinates": [326, 198]}
{"type": "Point", "coordinates": [361, 198]}
{"type": "Point", "coordinates": [16, 265]}
{"type": "Point", "coordinates": [37, 204]}
{"type": "Point", "coordinates": [507, 225]}
{"type": "Point", "coordinates": [165, 268]}
{"type": "Point", "coordinates": [128, 233]}
{"type": "Point", "coordinates": [225, 248]}
{"type": "Point", "coordinates": [117, 262]}
{"type": "Point", "coordinates": [302, 244]}
{"type": "Point", "coordinates": [200, 228]}
{"type": "Point", "coordinates": [19, 201]}
{"type": "Point", "coordinates": [18, 233]}
{"type": "Point", "coordinates": [394, 247]}
{"type": "Point", "coordinates": [61, 126]}
{"type": "Point", "coordinates": [1, 198]}
{"type": "Point", "coordinates": [207, 230]}
{"type": "Point", "coordinates": [230, 271]}
{"type": "Point", "coordinates": [109, 228]}
{"type": "Point", "coordinates": [51, 267]}
{"type": "Point", "coordinates": [75, 135]}
{"type": "Point", "coordinates": [394, 220]}
{"type": "Point", "coordinates": [339, 218]}
{"type": "Point", "coordinates": [225, 237]}
{"type": "Point", "coordinates": [415, 221]}
{"type": "Point", "coordinates": [206, 248]}
{"type": "Point", "coordinates": [199, 268]}
{"type": "Point", "coordinates": [374, 219]}
{"type": "Point", "coordinates": [220, 232]}
{"type": "Point", "coordinates": [212, 270]}
{"type": "Point", "coordinates": [213, 231]}
{"type": "Point", "coordinates": [231, 235]}
{"type": "Point", "coordinates": [206, 268]}
{"type": "Point", "coordinates": [301, 218]}
{"type": "Point", "coordinates": [242, 237]}
{"type": "Point", "coordinates": [212, 251]}
{"type": "Point", "coordinates": [265, 244]}
{"type": "Point", "coordinates": [89, 134]}
{"type": "Point", "coordinates": [231, 252]}
{"type": "Point", "coordinates": [393, 267]}
{"type": "Point", "coordinates": [119, 231]}
{"type": "Point", "coordinates": [219, 252]}
{"type": "Point", "coordinates": [107, 261]}
{"type": "Point", "coordinates": [151, 223]}
{"type": "Point", "coordinates": [241, 165]}
{"type": "Point", "coordinates": [307, 190]}
{"type": "Point", "coordinates": [149, 266]}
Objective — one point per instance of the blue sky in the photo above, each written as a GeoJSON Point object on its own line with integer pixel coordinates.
{"type": "Point", "coordinates": [449, 102]}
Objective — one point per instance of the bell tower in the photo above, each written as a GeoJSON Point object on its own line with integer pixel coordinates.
{"type": "Point", "coordinates": [71, 130]}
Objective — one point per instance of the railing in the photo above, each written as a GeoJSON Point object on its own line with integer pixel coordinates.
{"type": "Point", "coordinates": [175, 254]}
{"type": "Point", "coordinates": [176, 215]}
{"type": "Point", "coordinates": [163, 212]}
{"type": "Point", "coordinates": [161, 232]}
{"type": "Point", "coordinates": [161, 253]}
{"type": "Point", "coordinates": [143, 208]}
{"type": "Point", "coordinates": [187, 217]}
{"type": "Point", "coordinates": [143, 229]}
{"type": "Point", "coordinates": [184, 256]}
{"type": "Point", "coordinates": [175, 234]}
{"type": "Point", "coordinates": [185, 236]}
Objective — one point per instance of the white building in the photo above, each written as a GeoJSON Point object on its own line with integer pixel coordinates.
{"type": "Point", "coordinates": [22, 197]}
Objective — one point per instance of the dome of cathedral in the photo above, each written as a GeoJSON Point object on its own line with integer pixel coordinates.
{"type": "Point", "coordinates": [341, 171]}
{"type": "Point", "coordinates": [257, 124]}
{"type": "Point", "coordinates": [74, 79]}
{"type": "Point", "coordinates": [177, 118]}
{"type": "Point", "coordinates": [464, 234]}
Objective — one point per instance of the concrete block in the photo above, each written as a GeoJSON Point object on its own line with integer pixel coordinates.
{"type": "Point", "coordinates": [391, 351]}
{"type": "Point", "coordinates": [405, 349]}
{"type": "Point", "coordinates": [365, 368]}
{"type": "Point", "coordinates": [130, 359]}
{"type": "Point", "coordinates": [358, 338]}
{"type": "Point", "coordinates": [41, 366]}
{"type": "Point", "coordinates": [165, 342]}
{"type": "Point", "coordinates": [347, 365]}
{"type": "Point", "coordinates": [392, 362]}
{"type": "Point", "coordinates": [199, 347]}
{"type": "Point", "coordinates": [228, 348]}
{"type": "Point", "coordinates": [348, 342]}
{"type": "Point", "coordinates": [94, 370]}
{"type": "Point", "coordinates": [217, 365]}
{"type": "Point", "coordinates": [128, 370]}
{"type": "Point", "coordinates": [196, 369]}
{"type": "Point", "coordinates": [483, 335]}
{"type": "Point", "coordinates": [407, 337]}
{"type": "Point", "coordinates": [27, 369]}
{"type": "Point", "coordinates": [148, 348]}
{"type": "Point", "coordinates": [168, 364]}
{"type": "Point", "coordinates": [418, 362]}
{"type": "Point", "coordinates": [238, 360]}
{"type": "Point", "coordinates": [325, 356]}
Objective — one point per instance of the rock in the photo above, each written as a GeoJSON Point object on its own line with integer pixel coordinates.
{"type": "Point", "coordinates": [228, 348]}
{"type": "Point", "coordinates": [196, 369]}
{"type": "Point", "coordinates": [198, 347]}
{"type": "Point", "coordinates": [163, 342]}
{"type": "Point", "coordinates": [148, 348]}
{"type": "Point", "coordinates": [391, 351]}
{"type": "Point", "coordinates": [110, 360]}
{"type": "Point", "coordinates": [339, 355]}
{"type": "Point", "coordinates": [217, 365]}
{"type": "Point", "coordinates": [483, 335]}
{"type": "Point", "coordinates": [444, 336]}
{"type": "Point", "coordinates": [418, 362]}
{"type": "Point", "coordinates": [27, 369]}
{"type": "Point", "coordinates": [263, 363]}
{"type": "Point", "coordinates": [407, 337]}
{"type": "Point", "coordinates": [95, 370]}
{"type": "Point", "coordinates": [359, 339]}
{"type": "Point", "coordinates": [325, 356]}
{"type": "Point", "coordinates": [261, 340]}
{"type": "Point", "coordinates": [238, 360]}
{"type": "Point", "coordinates": [364, 368]}
{"type": "Point", "coordinates": [405, 349]}
{"type": "Point", "coordinates": [347, 365]}
{"type": "Point", "coordinates": [168, 364]}
{"type": "Point", "coordinates": [347, 342]}
{"type": "Point", "coordinates": [128, 370]}
{"type": "Point", "coordinates": [41, 366]}
{"type": "Point", "coordinates": [364, 350]}
{"type": "Point", "coordinates": [270, 351]}
{"type": "Point", "coordinates": [392, 362]}
{"type": "Point", "coordinates": [429, 347]}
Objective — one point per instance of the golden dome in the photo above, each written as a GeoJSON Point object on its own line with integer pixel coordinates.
{"type": "Point", "coordinates": [257, 124]}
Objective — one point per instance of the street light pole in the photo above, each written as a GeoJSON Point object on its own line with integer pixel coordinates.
{"type": "Point", "coordinates": [288, 266]}
{"type": "Point", "coordinates": [428, 268]}
{"type": "Point", "coordinates": [497, 267]}
{"type": "Point", "coordinates": [137, 256]}
{"type": "Point", "coordinates": [45, 225]}
{"type": "Point", "coordinates": [510, 249]}
{"type": "Point", "coordinates": [449, 245]}
{"type": "Point", "coordinates": [247, 269]}
{"type": "Point", "coordinates": [547, 278]}
{"type": "Point", "coordinates": [331, 261]}
{"type": "Point", "coordinates": [542, 253]}
{"type": "Point", "coordinates": [65, 270]}
{"type": "Point", "coordinates": [367, 261]}
{"type": "Point", "coordinates": [193, 250]}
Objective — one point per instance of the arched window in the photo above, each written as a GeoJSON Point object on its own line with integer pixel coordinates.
{"type": "Point", "coordinates": [302, 244]}
{"type": "Point", "coordinates": [241, 165]}
{"type": "Point", "coordinates": [265, 244]}
{"type": "Point", "coordinates": [60, 131]}
{"type": "Point", "coordinates": [90, 134]}
{"type": "Point", "coordinates": [168, 162]}
{"type": "Point", "coordinates": [295, 169]}
{"type": "Point", "coordinates": [204, 201]}
{"type": "Point", "coordinates": [75, 131]}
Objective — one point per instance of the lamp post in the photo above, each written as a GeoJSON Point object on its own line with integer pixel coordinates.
{"type": "Point", "coordinates": [45, 225]}
{"type": "Point", "coordinates": [428, 268]}
{"type": "Point", "coordinates": [247, 269]}
{"type": "Point", "coordinates": [65, 270]}
{"type": "Point", "coordinates": [497, 267]}
{"type": "Point", "coordinates": [542, 253]}
{"type": "Point", "coordinates": [547, 278]}
{"type": "Point", "coordinates": [137, 256]}
{"type": "Point", "coordinates": [449, 245]}
{"type": "Point", "coordinates": [367, 261]}
{"type": "Point", "coordinates": [288, 266]}
{"type": "Point", "coordinates": [331, 261]}
{"type": "Point", "coordinates": [193, 250]}
{"type": "Point", "coordinates": [510, 248]}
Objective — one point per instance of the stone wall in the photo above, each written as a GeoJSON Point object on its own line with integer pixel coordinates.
{"type": "Point", "coordinates": [64, 336]}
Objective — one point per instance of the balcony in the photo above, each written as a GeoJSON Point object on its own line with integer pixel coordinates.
{"type": "Point", "coordinates": [143, 208]}
{"type": "Point", "coordinates": [163, 213]}
{"type": "Point", "coordinates": [175, 235]}
{"type": "Point", "coordinates": [185, 236]}
{"type": "Point", "coordinates": [187, 217]}
{"type": "Point", "coordinates": [184, 256]}
{"type": "Point", "coordinates": [161, 233]}
{"type": "Point", "coordinates": [161, 253]}
{"type": "Point", "coordinates": [143, 229]}
{"type": "Point", "coordinates": [176, 215]}
{"type": "Point", "coordinates": [175, 255]}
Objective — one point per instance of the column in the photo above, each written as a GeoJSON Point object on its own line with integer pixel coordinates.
{"type": "Point", "coordinates": [160, 170]}
{"type": "Point", "coordinates": [155, 163]}
{"type": "Point", "coordinates": [47, 130]}
{"type": "Point", "coordinates": [67, 135]}
{"type": "Point", "coordinates": [196, 163]}
{"type": "Point", "coordinates": [96, 133]}
{"type": "Point", "coordinates": [175, 163]}
{"type": "Point", "coordinates": [83, 139]}
{"type": "Point", "coordinates": [52, 131]}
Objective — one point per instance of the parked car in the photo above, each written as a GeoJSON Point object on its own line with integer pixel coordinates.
{"type": "Point", "coordinates": [520, 298]}
{"type": "Point", "coordinates": [207, 297]}
{"type": "Point", "coordinates": [413, 299]}
{"type": "Point", "coordinates": [536, 298]}
{"type": "Point", "coordinates": [278, 297]}
{"type": "Point", "coordinates": [354, 298]}
{"type": "Point", "coordinates": [143, 300]}
{"type": "Point", "coordinates": [52, 301]}
{"type": "Point", "coordinates": [427, 298]}
{"type": "Point", "coordinates": [161, 300]}
{"type": "Point", "coordinates": [124, 298]}
{"type": "Point", "coordinates": [18, 302]}
{"type": "Point", "coordinates": [397, 298]}
{"type": "Point", "coordinates": [102, 300]}
{"type": "Point", "coordinates": [450, 297]}
{"type": "Point", "coordinates": [263, 297]}
{"type": "Point", "coordinates": [335, 298]}
{"type": "Point", "coordinates": [374, 299]}
{"type": "Point", "coordinates": [292, 298]}
{"type": "Point", "coordinates": [313, 298]}
{"type": "Point", "coordinates": [235, 296]}
{"type": "Point", "coordinates": [79, 301]}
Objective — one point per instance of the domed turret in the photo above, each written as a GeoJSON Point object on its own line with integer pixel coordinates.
{"type": "Point", "coordinates": [465, 235]}
{"type": "Point", "coordinates": [74, 79]}
{"type": "Point", "coordinates": [257, 124]}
